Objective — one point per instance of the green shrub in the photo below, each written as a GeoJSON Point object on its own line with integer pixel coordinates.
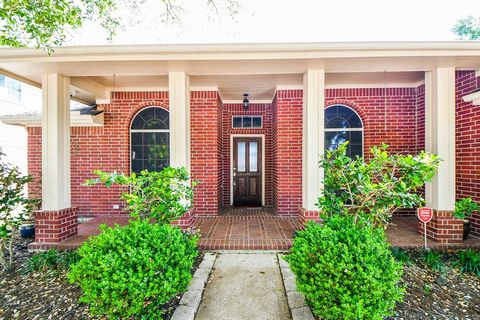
{"type": "Point", "coordinates": [51, 260]}
{"type": "Point", "coordinates": [162, 196]}
{"type": "Point", "coordinates": [469, 261]}
{"type": "Point", "coordinates": [346, 270]}
{"type": "Point", "coordinates": [433, 260]}
{"type": "Point", "coordinates": [130, 272]}
{"type": "Point", "coordinates": [375, 188]}
{"type": "Point", "coordinates": [464, 208]}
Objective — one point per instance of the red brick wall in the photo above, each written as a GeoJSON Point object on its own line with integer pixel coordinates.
{"type": "Point", "coordinates": [106, 148]}
{"type": "Point", "coordinates": [394, 116]}
{"type": "Point", "coordinates": [468, 143]}
{"type": "Point", "coordinates": [229, 110]}
{"type": "Point", "coordinates": [205, 150]}
{"type": "Point", "coordinates": [287, 151]}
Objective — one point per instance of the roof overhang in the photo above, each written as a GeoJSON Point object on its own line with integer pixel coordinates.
{"type": "Point", "coordinates": [93, 69]}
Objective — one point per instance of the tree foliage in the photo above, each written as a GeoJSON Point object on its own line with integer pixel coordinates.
{"type": "Point", "coordinates": [468, 28]}
{"type": "Point", "coordinates": [47, 23]}
{"type": "Point", "coordinates": [375, 188]}
{"type": "Point", "coordinates": [15, 208]}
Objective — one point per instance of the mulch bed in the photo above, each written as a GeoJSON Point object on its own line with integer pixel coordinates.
{"type": "Point", "coordinates": [46, 295]}
{"type": "Point", "coordinates": [438, 295]}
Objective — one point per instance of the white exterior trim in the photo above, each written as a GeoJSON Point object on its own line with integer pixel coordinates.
{"type": "Point", "coordinates": [55, 142]}
{"type": "Point", "coordinates": [179, 105]}
{"type": "Point", "coordinates": [440, 136]}
{"type": "Point", "coordinates": [313, 136]}
{"type": "Point", "coordinates": [238, 135]}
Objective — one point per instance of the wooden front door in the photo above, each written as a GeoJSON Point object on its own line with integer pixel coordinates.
{"type": "Point", "coordinates": [247, 171]}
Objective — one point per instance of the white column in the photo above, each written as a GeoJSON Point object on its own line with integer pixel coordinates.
{"type": "Point", "coordinates": [55, 142]}
{"type": "Point", "coordinates": [179, 99]}
{"type": "Point", "coordinates": [313, 135]}
{"type": "Point", "coordinates": [440, 135]}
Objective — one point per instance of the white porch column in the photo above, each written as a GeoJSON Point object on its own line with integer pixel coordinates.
{"type": "Point", "coordinates": [440, 135]}
{"type": "Point", "coordinates": [313, 135]}
{"type": "Point", "coordinates": [55, 142]}
{"type": "Point", "coordinates": [179, 99]}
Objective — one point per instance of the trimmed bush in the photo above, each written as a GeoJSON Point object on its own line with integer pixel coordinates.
{"type": "Point", "coordinates": [132, 271]}
{"type": "Point", "coordinates": [346, 270]}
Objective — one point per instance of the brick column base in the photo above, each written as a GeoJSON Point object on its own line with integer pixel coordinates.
{"type": "Point", "coordinates": [443, 228]}
{"type": "Point", "coordinates": [55, 226]}
{"type": "Point", "coordinates": [187, 220]}
{"type": "Point", "coordinates": [308, 215]}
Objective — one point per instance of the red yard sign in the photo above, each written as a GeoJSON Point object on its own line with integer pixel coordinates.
{"type": "Point", "coordinates": [425, 214]}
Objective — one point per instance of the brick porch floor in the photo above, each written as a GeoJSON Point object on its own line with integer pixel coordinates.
{"type": "Point", "coordinates": [261, 229]}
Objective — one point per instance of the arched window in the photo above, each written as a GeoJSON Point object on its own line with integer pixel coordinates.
{"type": "Point", "coordinates": [150, 140]}
{"type": "Point", "coordinates": [343, 124]}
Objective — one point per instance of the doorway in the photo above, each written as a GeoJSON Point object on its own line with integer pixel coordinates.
{"type": "Point", "coordinates": [247, 171]}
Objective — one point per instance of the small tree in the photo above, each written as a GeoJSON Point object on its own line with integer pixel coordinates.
{"type": "Point", "coordinates": [162, 196]}
{"type": "Point", "coordinates": [374, 188]}
{"type": "Point", "coordinates": [467, 28]}
{"type": "Point", "coordinates": [15, 208]}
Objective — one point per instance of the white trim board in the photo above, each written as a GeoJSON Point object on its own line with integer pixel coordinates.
{"type": "Point", "coordinates": [238, 135]}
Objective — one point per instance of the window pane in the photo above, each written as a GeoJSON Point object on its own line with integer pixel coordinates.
{"type": "Point", "coordinates": [334, 139]}
{"type": "Point", "coordinates": [337, 123]}
{"type": "Point", "coordinates": [247, 122]}
{"type": "Point", "coordinates": [253, 157]}
{"type": "Point", "coordinates": [137, 138]}
{"type": "Point", "coordinates": [137, 152]}
{"type": "Point", "coordinates": [241, 156]}
{"type": "Point", "coordinates": [257, 122]}
{"type": "Point", "coordinates": [237, 122]}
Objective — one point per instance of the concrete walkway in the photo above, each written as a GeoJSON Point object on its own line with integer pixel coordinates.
{"type": "Point", "coordinates": [245, 286]}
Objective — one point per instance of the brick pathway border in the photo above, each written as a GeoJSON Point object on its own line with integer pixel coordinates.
{"type": "Point", "coordinates": [296, 301]}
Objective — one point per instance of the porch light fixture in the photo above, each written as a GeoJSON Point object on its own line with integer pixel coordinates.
{"type": "Point", "coordinates": [246, 103]}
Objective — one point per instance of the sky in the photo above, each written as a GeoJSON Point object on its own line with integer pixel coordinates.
{"type": "Point", "coordinates": [287, 21]}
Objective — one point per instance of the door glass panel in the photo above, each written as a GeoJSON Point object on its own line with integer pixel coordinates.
{"type": "Point", "coordinates": [253, 157]}
{"type": "Point", "coordinates": [241, 156]}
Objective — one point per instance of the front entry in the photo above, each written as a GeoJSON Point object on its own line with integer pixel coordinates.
{"type": "Point", "coordinates": [247, 171]}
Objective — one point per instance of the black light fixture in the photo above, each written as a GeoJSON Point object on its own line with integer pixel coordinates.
{"type": "Point", "coordinates": [246, 103]}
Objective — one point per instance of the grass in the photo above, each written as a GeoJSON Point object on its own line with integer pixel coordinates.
{"type": "Point", "coordinates": [51, 260]}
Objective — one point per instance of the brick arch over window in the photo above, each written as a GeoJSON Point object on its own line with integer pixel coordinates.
{"type": "Point", "coordinates": [145, 104]}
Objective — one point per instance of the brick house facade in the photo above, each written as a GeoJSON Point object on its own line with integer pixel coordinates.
{"type": "Point", "coordinates": [396, 113]}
